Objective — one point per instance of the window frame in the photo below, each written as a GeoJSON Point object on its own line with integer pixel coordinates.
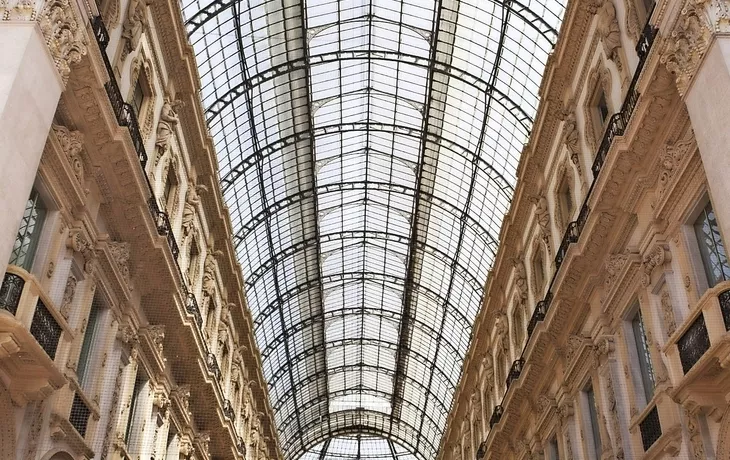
{"type": "Point", "coordinates": [641, 352]}
{"type": "Point", "coordinates": [590, 403]}
{"type": "Point", "coordinates": [85, 363]}
{"type": "Point", "coordinates": [702, 253]}
{"type": "Point", "coordinates": [36, 234]}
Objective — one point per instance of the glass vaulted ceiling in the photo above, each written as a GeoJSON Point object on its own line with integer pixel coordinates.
{"type": "Point", "coordinates": [368, 154]}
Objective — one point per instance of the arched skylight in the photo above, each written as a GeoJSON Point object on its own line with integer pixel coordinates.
{"type": "Point", "coordinates": [368, 153]}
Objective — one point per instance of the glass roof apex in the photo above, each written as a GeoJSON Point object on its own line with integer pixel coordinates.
{"type": "Point", "coordinates": [368, 152]}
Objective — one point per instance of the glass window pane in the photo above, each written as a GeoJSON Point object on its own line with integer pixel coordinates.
{"type": "Point", "coordinates": [712, 249]}
{"type": "Point", "coordinates": [642, 351]}
{"type": "Point", "coordinates": [26, 242]}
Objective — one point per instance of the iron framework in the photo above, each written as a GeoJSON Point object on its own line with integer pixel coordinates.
{"type": "Point", "coordinates": [368, 153]}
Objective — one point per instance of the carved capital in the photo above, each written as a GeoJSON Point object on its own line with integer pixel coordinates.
{"type": "Point", "coordinates": [656, 257]}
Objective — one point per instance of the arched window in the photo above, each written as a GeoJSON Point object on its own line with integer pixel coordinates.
{"type": "Point", "coordinates": [538, 272]}
{"type": "Point", "coordinates": [169, 194]}
{"type": "Point", "coordinates": [193, 262]}
{"type": "Point", "coordinates": [565, 196]}
{"type": "Point", "coordinates": [518, 325]}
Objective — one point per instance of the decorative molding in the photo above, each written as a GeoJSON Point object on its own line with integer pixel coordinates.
{"type": "Point", "coordinates": [120, 253]}
{"type": "Point", "coordinates": [656, 257]}
{"type": "Point", "coordinates": [64, 34]}
{"type": "Point", "coordinates": [68, 296]}
{"type": "Point", "coordinates": [72, 145]}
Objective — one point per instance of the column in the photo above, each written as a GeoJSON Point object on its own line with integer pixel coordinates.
{"type": "Point", "coordinates": [32, 77]}
{"type": "Point", "coordinates": [700, 62]}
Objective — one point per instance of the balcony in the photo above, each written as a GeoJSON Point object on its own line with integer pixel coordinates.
{"type": "Point", "coordinates": [496, 416]}
{"type": "Point", "coordinates": [724, 299]}
{"type": "Point", "coordinates": [515, 371]}
{"type": "Point", "coordinates": [213, 367]}
{"type": "Point", "coordinates": [191, 306]}
{"type": "Point", "coordinates": [539, 314]}
{"type": "Point", "coordinates": [30, 330]}
{"type": "Point", "coordinates": [162, 222]}
{"type": "Point", "coordinates": [80, 413]}
{"type": "Point", "coordinates": [693, 344]}
{"type": "Point", "coordinates": [650, 428]}
{"type": "Point", "coordinates": [228, 410]}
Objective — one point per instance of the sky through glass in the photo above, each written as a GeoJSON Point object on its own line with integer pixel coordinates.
{"type": "Point", "coordinates": [368, 153]}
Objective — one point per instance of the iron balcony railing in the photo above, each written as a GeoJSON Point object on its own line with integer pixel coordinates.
{"type": "Point", "coordinates": [616, 127]}
{"type": "Point", "coordinates": [45, 329]}
{"type": "Point", "coordinates": [694, 343]}
{"type": "Point", "coordinates": [10, 292]}
{"type": "Point", "coordinates": [79, 416]}
{"type": "Point", "coordinates": [650, 428]}
{"type": "Point", "coordinates": [192, 308]}
{"type": "Point", "coordinates": [123, 111]}
{"type": "Point", "coordinates": [496, 416]}
{"type": "Point", "coordinates": [515, 371]}
{"type": "Point", "coordinates": [213, 367]}
{"type": "Point", "coordinates": [724, 299]}
{"type": "Point", "coordinates": [228, 410]}
{"type": "Point", "coordinates": [539, 314]}
{"type": "Point", "coordinates": [162, 222]}
{"type": "Point", "coordinates": [482, 451]}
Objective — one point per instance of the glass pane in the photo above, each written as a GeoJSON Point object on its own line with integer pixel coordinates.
{"type": "Point", "coordinates": [712, 249]}
{"type": "Point", "coordinates": [26, 242]}
{"type": "Point", "coordinates": [593, 417]}
{"type": "Point", "coordinates": [642, 351]}
{"type": "Point", "coordinates": [89, 338]}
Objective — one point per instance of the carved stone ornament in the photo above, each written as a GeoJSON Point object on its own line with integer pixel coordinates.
{"type": "Point", "coordinates": [543, 404]}
{"type": "Point", "coordinates": [192, 199]}
{"type": "Point", "coordinates": [72, 144]}
{"type": "Point", "coordinates": [671, 156]}
{"type": "Point", "coordinates": [160, 400]}
{"type": "Point", "coordinates": [571, 139]}
{"type": "Point", "coordinates": [695, 436]}
{"type": "Point", "coordinates": [542, 214]}
{"type": "Point", "coordinates": [64, 35]}
{"type": "Point", "coordinates": [657, 257]}
{"type": "Point", "coordinates": [565, 411]}
{"type": "Point", "coordinates": [687, 43]}
{"type": "Point", "coordinates": [610, 33]}
{"type": "Point", "coordinates": [68, 296]}
{"type": "Point", "coordinates": [120, 254]}
{"type": "Point", "coordinates": [182, 394]}
{"type": "Point", "coordinates": [185, 444]}
{"type": "Point", "coordinates": [614, 265]}
{"type": "Point", "coordinates": [156, 333]}
{"type": "Point", "coordinates": [604, 347]}
{"type": "Point", "coordinates": [127, 334]}
{"type": "Point", "coordinates": [668, 312]}
{"type": "Point", "coordinates": [520, 278]}
{"type": "Point", "coordinates": [572, 346]}
{"type": "Point", "coordinates": [613, 409]}
{"type": "Point", "coordinates": [133, 25]}
{"type": "Point", "coordinates": [203, 440]}
{"type": "Point", "coordinates": [78, 242]}
{"type": "Point", "coordinates": [166, 127]}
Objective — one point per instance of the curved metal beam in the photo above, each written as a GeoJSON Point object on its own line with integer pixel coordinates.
{"type": "Point", "coordinates": [342, 312]}
{"type": "Point", "coordinates": [357, 422]}
{"type": "Point", "coordinates": [378, 236]}
{"type": "Point", "coordinates": [261, 218]}
{"type": "Point", "coordinates": [353, 276]}
{"type": "Point", "coordinates": [320, 347]}
{"type": "Point", "coordinates": [312, 402]}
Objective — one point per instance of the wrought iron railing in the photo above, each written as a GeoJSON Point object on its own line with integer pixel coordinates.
{"type": "Point", "coordinates": [79, 416]}
{"type": "Point", "coordinates": [482, 451]}
{"type": "Point", "coordinates": [693, 344]}
{"type": "Point", "coordinates": [228, 410]}
{"type": "Point", "coordinates": [191, 305]}
{"type": "Point", "coordinates": [162, 222]}
{"type": "Point", "coordinates": [123, 111]}
{"type": "Point", "coordinates": [515, 371]}
{"type": "Point", "coordinates": [45, 329]}
{"type": "Point", "coordinates": [496, 416]}
{"type": "Point", "coordinates": [651, 429]}
{"type": "Point", "coordinates": [539, 314]}
{"type": "Point", "coordinates": [10, 292]}
{"type": "Point", "coordinates": [724, 299]}
{"type": "Point", "coordinates": [213, 367]}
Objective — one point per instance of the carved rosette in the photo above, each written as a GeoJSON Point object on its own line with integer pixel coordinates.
{"type": "Point", "coordinates": [78, 241]}
{"type": "Point", "coordinates": [64, 35]}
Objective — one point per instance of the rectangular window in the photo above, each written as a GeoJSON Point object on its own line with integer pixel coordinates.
{"type": "Point", "coordinates": [82, 370]}
{"type": "Point", "coordinates": [29, 232]}
{"type": "Point", "coordinates": [553, 451]}
{"type": "Point", "coordinates": [593, 421]}
{"type": "Point", "coordinates": [138, 385]}
{"type": "Point", "coordinates": [712, 249]}
{"type": "Point", "coordinates": [644, 356]}
{"type": "Point", "coordinates": [602, 107]}
{"type": "Point", "coordinates": [138, 98]}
